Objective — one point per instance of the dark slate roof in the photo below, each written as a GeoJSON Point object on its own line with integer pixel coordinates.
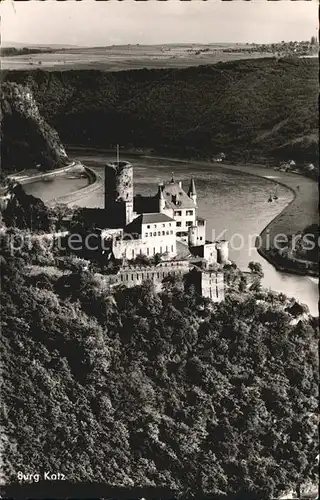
{"type": "Point", "coordinates": [172, 190]}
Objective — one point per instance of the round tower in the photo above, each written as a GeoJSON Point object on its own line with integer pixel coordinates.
{"type": "Point", "coordinates": [222, 251]}
{"type": "Point", "coordinates": [192, 236]}
{"type": "Point", "coordinates": [118, 182]}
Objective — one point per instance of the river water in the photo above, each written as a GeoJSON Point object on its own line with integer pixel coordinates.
{"type": "Point", "coordinates": [234, 203]}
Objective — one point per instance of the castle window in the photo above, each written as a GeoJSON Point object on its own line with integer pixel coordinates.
{"type": "Point", "coordinates": [148, 226]}
{"type": "Point", "coordinates": [166, 248]}
{"type": "Point", "coordinates": [127, 277]}
{"type": "Point", "coordinates": [178, 224]}
{"type": "Point", "coordinates": [163, 233]}
{"type": "Point", "coordinates": [217, 293]}
{"type": "Point", "coordinates": [171, 248]}
{"type": "Point", "coordinates": [132, 277]}
{"type": "Point", "coordinates": [155, 225]}
{"type": "Point", "coordinates": [163, 225]}
{"type": "Point", "coordinates": [147, 251]}
{"type": "Point", "coordinates": [158, 275]}
{"type": "Point", "coordinates": [142, 276]}
{"type": "Point", "coordinates": [160, 249]}
{"type": "Point", "coordinates": [146, 235]}
{"type": "Point", "coordinates": [189, 212]}
{"type": "Point", "coordinates": [132, 253]}
{"type": "Point", "coordinates": [178, 213]}
{"type": "Point", "coordinates": [169, 224]}
{"type": "Point", "coordinates": [155, 233]}
{"type": "Point", "coordinates": [167, 232]}
{"type": "Point", "coordinates": [189, 223]}
{"type": "Point", "coordinates": [121, 277]}
{"type": "Point", "coordinates": [200, 237]}
{"type": "Point", "coordinates": [159, 233]}
{"type": "Point", "coordinates": [154, 251]}
{"type": "Point", "coordinates": [150, 234]}
{"type": "Point", "coordinates": [171, 232]}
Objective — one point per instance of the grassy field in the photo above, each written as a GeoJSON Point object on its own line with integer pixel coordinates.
{"type": "Point", "coordinates": [117, 58]}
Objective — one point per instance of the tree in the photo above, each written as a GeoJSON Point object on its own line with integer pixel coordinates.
{"type": "Point", "coordinates": [256, 268]}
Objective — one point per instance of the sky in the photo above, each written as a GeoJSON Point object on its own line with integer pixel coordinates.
{"type": "Point", "coordinates": [93, 23]}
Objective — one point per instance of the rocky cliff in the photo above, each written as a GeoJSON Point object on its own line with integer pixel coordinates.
{"type": "Point", "coordinates": [27, 141]}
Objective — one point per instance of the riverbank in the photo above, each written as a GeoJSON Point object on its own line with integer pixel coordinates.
{"type": "Point", "coordinates": [301, 212]}
{"type": "Point", "coordinates": [94, 181]}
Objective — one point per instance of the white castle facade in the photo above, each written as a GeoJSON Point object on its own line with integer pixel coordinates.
{"type": "Point", "coordinates": [165, 225]}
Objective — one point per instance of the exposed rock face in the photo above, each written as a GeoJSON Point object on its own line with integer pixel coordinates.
{"type": "Point", "coordinates": [27, 141]}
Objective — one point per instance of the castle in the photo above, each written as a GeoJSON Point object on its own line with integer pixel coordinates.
{"type": "Point", "coordinates": [165, 225]}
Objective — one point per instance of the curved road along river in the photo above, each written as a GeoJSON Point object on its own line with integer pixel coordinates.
{"type": "Point", "coordinates": [233, 199]}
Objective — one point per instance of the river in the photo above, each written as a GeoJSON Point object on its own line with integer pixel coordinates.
{"type": "Point", "coordinates": [234, 203]}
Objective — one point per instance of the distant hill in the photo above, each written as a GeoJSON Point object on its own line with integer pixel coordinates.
{"type": "Point", "coordinates": [250, 109]}
{"type": "Point", "coordinates": [20, 45]}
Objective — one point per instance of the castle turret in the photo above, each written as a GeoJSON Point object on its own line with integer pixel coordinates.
{"type": "Point", "coordinates": [192, 191]}
{"type": "Point", "coordinates": [162, 202]}
{"type": "Point", "coordinates": [192, 236]}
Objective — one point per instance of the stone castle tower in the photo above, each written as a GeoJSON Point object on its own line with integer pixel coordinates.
{"type": "Point", "coordinates": [118, 190]}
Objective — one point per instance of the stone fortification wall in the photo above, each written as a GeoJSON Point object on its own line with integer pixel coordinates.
{"type": "Point", "coordinates": [136, 275]}
{"type": "Point", "coordinates": [212, 285]}
{"type": "Point", "coordinates": [131, 248]}
{"type": "Point", "coordinates": [210, 253]}
{"type": "Point", "coordinates": [222, 251]}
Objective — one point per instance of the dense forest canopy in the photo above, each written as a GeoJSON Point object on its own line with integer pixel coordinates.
{"type": "Point", "coordinates": [134, 388]}
{"type": "Point", "coordinates": [251, 109]}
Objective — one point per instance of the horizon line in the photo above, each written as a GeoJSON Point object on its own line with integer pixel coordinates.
{"type": "Point", "coordinates": [10, 44]}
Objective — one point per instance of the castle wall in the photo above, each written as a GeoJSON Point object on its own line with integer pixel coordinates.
{"type": "Point", "coordinates": [131, 248]}
{"type": "Point", "coordinates": [212, 285]}
{"type": "Point", "coordinates": [222, 251]}
{"type": "Point", "coordinates": [184, 218]}
{"type": "Point", "coordinates": [210, 253]}
{"type": "Point", "coordinates": [207, 251]}
{"type": "Point", "coordinates": [136, 275]}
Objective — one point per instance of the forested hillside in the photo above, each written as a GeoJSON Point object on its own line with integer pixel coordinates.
{"type": "Point", "coordinates": [135, 389]}
{"type": "Point", "coordinates": [252, 109]}
{"type": "Point", "coordinates": [27, 140]}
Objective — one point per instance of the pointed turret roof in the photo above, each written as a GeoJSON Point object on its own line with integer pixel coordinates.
{"type": "Point", "coordinates": [160, 192]}
{"type": "Point", "coordinates": [192, 187]}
